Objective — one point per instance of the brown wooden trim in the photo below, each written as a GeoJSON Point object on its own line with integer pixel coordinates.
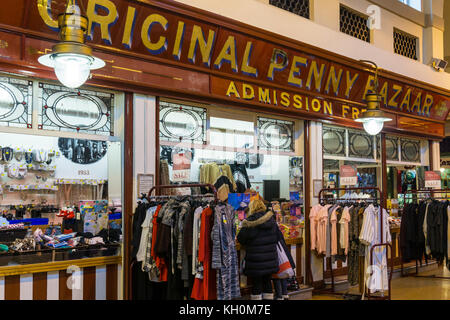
{"type": "Point", "coordinates": [336, 272]}
{"type": "Point", "coordinates": [384, 185]}
{"type": "Point", "coordinates": [128, 186]}
{"type": "Point", "coordinates": [320, 284]}
{"type": "Point", "coordinates": [157, 144]}
{"type": "Point", "coordinates": [40, 286]}
{"type": "Point", "coordinates": [111, 282]}
{"type": "Point", "coordinates": [64, 292]}
{"type": "Point", "coordinates": [89, 283]}
{"type": "Point", "coordinates": [307, 202]}
{"type": "Point", "coordinates": [12, 287]}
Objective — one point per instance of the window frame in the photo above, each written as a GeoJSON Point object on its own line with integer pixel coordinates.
{"type": "Point", "coordinates": [237, 114]}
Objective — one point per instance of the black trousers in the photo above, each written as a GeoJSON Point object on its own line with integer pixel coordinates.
{"type": "Point", "coordinates": [261, 285]}
{"type": "Point", "coordinates": [280, 287]}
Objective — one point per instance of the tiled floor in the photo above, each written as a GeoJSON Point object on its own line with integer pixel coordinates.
{"type": "Point", "coordinates": [414, 288]}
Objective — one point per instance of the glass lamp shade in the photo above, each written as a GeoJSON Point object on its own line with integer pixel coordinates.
{"type": "Point", "coordinates": [72, 70]}
{"type": "Point", "coordinates": [373, 126]}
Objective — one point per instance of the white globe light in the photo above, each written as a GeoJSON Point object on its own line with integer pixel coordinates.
{"type": "Point", "coordinates": [373, 126]}
{"type": "Point", "coordinates": [72, 69]}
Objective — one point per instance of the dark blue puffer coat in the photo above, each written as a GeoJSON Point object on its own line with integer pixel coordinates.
{"type": "Point", "coordinates": [259, 236]}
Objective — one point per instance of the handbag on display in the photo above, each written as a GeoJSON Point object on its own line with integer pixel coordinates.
{"type": "Point", "coordinates": [285, 269]}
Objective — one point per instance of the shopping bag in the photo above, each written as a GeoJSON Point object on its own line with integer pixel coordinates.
{"type": "Point", "coordinates": [285, 269]}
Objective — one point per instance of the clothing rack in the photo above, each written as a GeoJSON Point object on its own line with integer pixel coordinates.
{"type": "Point", "coordinates": [432, 197]}
{"type": "Point", "coordinates": [149, 196]}
{"type": "Point", "coordinates": [174, 186]}
{"type": "Point", "coordinates": [381, 244]}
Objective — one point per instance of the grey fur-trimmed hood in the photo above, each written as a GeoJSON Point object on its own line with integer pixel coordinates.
{"type": "Point", "coordinates": [257, 219]}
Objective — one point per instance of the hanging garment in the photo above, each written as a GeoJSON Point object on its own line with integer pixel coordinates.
{"type": "Point", "coordinates": [150, 265]}
{"type": "Point", "coordinates": [146, 224]}
{"type": "Point", "coordinates": [370, 235]}
{"type": "Point", "coordinates": [314, 218]}
{"type": "Point", "coordinates": [343, 225]}
{"type": "Point", "coordinates": [341, 254]}
{"type": "Point", "coordinates": [353, 249]}
{"type": "Point", "coordinates": [210, 172]}
{"type": "Point", "coordinates": [138, 219]}
{"type": "Point", "coordinates": [196, 239]}
{"type": "Point", "coordinates": [224, 254]}
{"type": "Point", "coordinates": [240, 177]}
{"type": "Point", "coordinates": [448, 236]}
{"type": "Point", "coordinates": [323, 229]}
{"type": "Point", "coordinates": [333, 237]}
{"type": "Point", "coordinates": [205, 287]}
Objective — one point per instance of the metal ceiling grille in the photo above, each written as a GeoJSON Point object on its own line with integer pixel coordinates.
{"type": "Point", "coordinates": [405, 44]}
{"type": "Point", "coordinates": [73, 110]}
{"type": "Point", "coordinates": [360, 145]}
{"type": "Point", "coordinates": [333, 141]}
{"type": "Point", "coordinates": [15, 102]}
{"type": "Point", "coordinates": [275, 134]}
{"type": "Point", "coordinates": [410, 150]}
{"type": "Point", "coordinates": [354, 24]}
{"type": "Point", "coordinates": [182, 123]}
{"type": "Point", "coordinates": [299, 7]}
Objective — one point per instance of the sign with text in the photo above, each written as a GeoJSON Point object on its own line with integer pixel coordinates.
{"type": "Point", "coordinates": [163, 32]}
{"type": "Point", "coordinates": [348, 176]}
{"type": "Point", "coordinates": [432, 179]}
{"type": "Point", "coordinates": [181, 166]}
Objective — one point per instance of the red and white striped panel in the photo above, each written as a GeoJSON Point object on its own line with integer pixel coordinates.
{"type": "Point", "coordinates": [89, 283]}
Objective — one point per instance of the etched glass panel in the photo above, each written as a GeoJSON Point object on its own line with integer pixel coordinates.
{"type": "Point", "coordinates": [182, 123]}
{"type": "Point", "coordinates": [410, 150]}
{"type": "Point", "coordinates": [275, 134]}
{"type": "Point", "coordinates": [15, 102]}
{"type": "Point", "coordinates": [64, 109]}
{"type": "Point", "coordinates": [333, 141]}
{"type": "Point", "coordinates": [360, 145]}
{"type": "Point", "coordinates": [392, 149]}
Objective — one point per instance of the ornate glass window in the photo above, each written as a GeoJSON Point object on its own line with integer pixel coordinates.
{"type": "Point", "coordinates": [299, 7]}
{"type": "Point", "coordinates": [15, 102]}
{"type": "Point", "coordinates": [405, 44]}
{"type": "Point", "coordinates": [275, 134]}
{"type": "Point", "coordinates": [64, 109]}
{"type": "Point", "coordinates": [333, 141]}
{"type": "Point", "coordinates": [354, 24]}
{"type": "Point", "coordinates": [410, 150]}
{"type": "Point", "coordinates": [179, 122]}
{"type": "Point", "coordinates": [392, 149]}
{"type": "Point", "coordinates": [360, 145]}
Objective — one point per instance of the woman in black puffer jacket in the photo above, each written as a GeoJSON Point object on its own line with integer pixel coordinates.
{"type": "Point", "coordinates": [259, 237]}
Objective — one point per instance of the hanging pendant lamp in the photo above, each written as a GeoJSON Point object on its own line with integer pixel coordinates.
{"type": "Point", "coordinates": [373, 118]}
{"type": "Point", "coordinates": [71, 58]}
